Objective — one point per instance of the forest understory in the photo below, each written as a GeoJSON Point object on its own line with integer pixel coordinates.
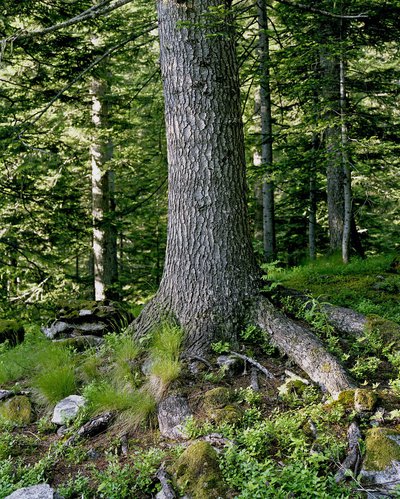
{"type": "Point", "coordinates": [253, 425]}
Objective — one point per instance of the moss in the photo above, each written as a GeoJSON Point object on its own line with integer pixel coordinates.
{"type": "Point", "coordinates": [382, 448]}
{"type": "Point", "coordinates": [197, 472]}
{"type": "Point", "coordinates": [217, 398]}
{"type": "Point", "coordinates": [365, 399]}
{"type": "Point", "coordinates": [389, 331]}
{"type": "Point", "coordinates": [345, 399]}
{"type": "Point", "coordinates": [17, 409]}
{"type": "Point", "coordinates": [388, 399]}
{"type": "Point", "coordinates": [326, 367]}
{"type": "Point", "coordinates": [229, 414]}
{"type": "Point", "coordinates": [292, 386]}
{"type": "Point", "coordinates": [12, 331]}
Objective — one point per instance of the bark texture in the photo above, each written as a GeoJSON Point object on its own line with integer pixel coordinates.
{"type": "Point", "coordinates": [303, 347]}
{"type": "Point", "coordinates": [210, 273]}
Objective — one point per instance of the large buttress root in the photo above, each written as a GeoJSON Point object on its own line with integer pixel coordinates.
{"type": "Point", "coordinates": [303, 347]}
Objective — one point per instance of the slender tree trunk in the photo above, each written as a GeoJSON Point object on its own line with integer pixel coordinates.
{"type": "Point", "coordinates": [346, 171]}
{"type": "Point", "coordinates": [210, 273]}
{"type": "Point", "coordinates": [333, 137]}
{"type": "Point", "coordinates": [312, 213]}
{"type": "Point", "coordinates": [269, 239]}
{"type": "Point", "coordinates": [103, 203]}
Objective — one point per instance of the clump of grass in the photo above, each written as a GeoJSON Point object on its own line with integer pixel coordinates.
{"type": "Point", "coordinates": [133, 406]}
{"type": "Point", "coordinates": [165, 349]}
{"type": "Point", "coordinates": [55, 378]}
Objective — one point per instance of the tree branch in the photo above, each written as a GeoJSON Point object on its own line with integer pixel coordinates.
{"type": "Point", "coordinates": [91, 13]}
{"type": "Point", "coordinates": [308, 8]}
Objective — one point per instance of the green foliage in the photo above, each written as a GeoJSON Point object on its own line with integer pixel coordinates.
{"type": "Point", "coordinates": [119, 481]}
{"type": "Point", "coordinates": [78, 485]}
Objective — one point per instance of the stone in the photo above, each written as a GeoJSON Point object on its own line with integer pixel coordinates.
{"type": "Point", "coordinates": [382, 457]}
{"type": "Point", "coordinates": [17, 409]}
{"type": "Point", "coordinates": [232, 365]}
{"type": "Point", "coordinates": [217, 398]}
{"type": "Point", "coordinates": [57, 328]}
{"type": "Point", "coordinates": [11, 331]}
{"type": "Point", "coordinates": [172, 414]}
{"type": "Point", "coordinates": [291, 386]}
{"type": "Point", "coordinates": [43, 491]}
{"type": "Point", "coordinates": [230, 414]}
{"type": "Point", "coordinates": [67, 409]}
{"type": "Point", "coordinates": [365, 400]}
{"type": "Point", "coordinates": [6, 394]}
{"type": "Point", "coordinates": [197, 472]}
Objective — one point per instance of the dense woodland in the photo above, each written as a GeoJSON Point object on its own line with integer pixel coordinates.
{"type": "Point", "coordinates": [233, 168]}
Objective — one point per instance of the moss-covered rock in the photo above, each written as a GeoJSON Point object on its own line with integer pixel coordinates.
{"type": "Point", "coordinates": [365, 400]}
{"type": "Point", "coordinates": [197, 472]}
{"type": "Point", "coordinates": [217, 398]}
{"type": "Point", "coordinates": [388, 400]}
{"type": "Point", "coordinates": [17, 409]}
{"type": "Point", "coordinates": [346, 398]}
{"type": "Point", "coordinates": [382, 457]}
{"type": "Point", "coordinates": [12, 331]}
{"type": "Point", "coordinates": [292, 386]}
{"type": "Point", "coordinates": [229, 414]}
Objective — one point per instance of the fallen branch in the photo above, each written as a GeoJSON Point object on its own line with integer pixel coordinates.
{"type": "Point", "coordinates": [256, 364]}
{"type": "Point", "coordinates": [92, 427]}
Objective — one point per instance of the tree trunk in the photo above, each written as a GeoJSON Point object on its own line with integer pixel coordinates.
{"type": "Point", "coordinates": [334, 169]}
{"type": "Point", "coordinates": [312, 210]}
{"type": "Point", "coordinates": [210, 274]}
{"type": "Point", "coordinates": [103, 203]}
{"type": "Point", "coordinates": [269, 239]}
{"type": "Point", "coordinates": [347, 198]}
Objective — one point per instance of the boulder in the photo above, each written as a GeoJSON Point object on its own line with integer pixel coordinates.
{"type": "Point", "coordinates": [43, 491]}
{"type": "Point", "coordinates": [11, 331]}
{"type": "Point", "coordinates": [197, 472]}
{"type": "Point", "coordinates": [365, 400]}
{"type": "Point", "coordinates": [17, 409]}
{"type": "Point", "coordinates": [172, 414]}
{"type": "Point", "coordinates": [382, 457]}
{"type": "Point", "coordinates": [216, 398]}
{"type": "Point", "coordinates": [67, 409]}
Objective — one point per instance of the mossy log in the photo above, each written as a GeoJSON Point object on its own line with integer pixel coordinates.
{"type": "Point", "coordinates": [303, 347]}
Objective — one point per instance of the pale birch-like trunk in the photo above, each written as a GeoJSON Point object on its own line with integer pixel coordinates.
{"type": "Point", "coordinates": [103, 204]}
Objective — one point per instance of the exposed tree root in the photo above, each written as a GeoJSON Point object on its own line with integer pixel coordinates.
{"type": "Point", "coordinates": [353, 455]}
{"type": "Point", "coordinates": [253, 362]}
{"type": "Point", "coordinates": [344, 320]}
{"type": "Point", "coordinates": [303, 347]}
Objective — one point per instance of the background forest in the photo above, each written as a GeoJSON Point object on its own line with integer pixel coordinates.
{"type": "Point", "coordinates": [328, 104]}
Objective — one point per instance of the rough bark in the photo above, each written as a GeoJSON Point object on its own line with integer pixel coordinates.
{"type": "Point", "coordinates": [269, 239]}
{"type": "Point", "coordinates": [303, 347]}
{"type": "Point", "coordinates": [210, 273]}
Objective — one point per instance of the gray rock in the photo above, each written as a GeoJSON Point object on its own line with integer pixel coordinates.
{"type": "Point", "coordinates": [231, 364]}
{"type": "Point", "coordinates": [6, 394]}
{"type": "Point", "coordinates": [43, 491]}
{"type": "Point", "coordinates": [67, 409]}
{"type": "Point", "coordinates": [55, 329]}
{"type": "Point", "coordinates": [173, 413]}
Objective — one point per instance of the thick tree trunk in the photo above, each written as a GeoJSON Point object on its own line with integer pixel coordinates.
{"type": "Point", "coordinates": [347, 197]}
{"type": "Point", "coordinates": [269, 239]}
{"type": "Point", "coordinates": [312, 210]}
{"type": "Point", "coordinates": [210, 274]}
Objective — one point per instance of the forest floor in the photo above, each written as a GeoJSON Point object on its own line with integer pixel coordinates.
{"type": "Point", "coordinates": [283, 439]}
